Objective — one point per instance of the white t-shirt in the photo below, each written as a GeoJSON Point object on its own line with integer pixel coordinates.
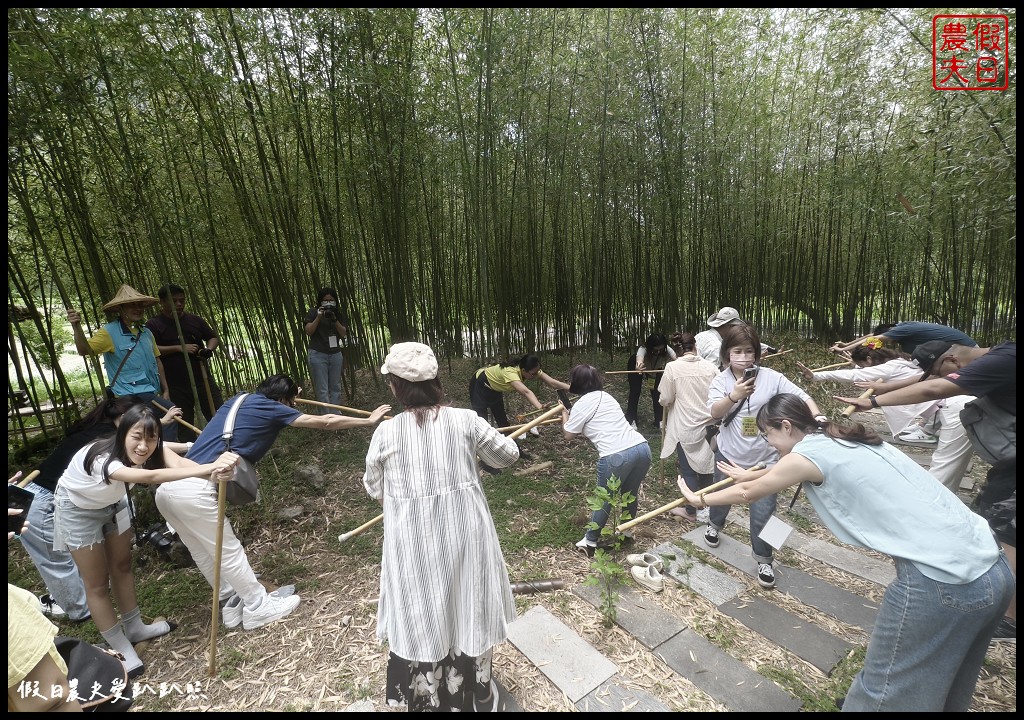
{"type": "Point", "coordinates": [598, 417]}
{"type": "Point", "coordinates": [87, 490]}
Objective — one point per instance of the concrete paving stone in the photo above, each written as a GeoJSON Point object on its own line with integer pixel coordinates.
{"type": "Point", "coordinates": [819, 647]}
{"type": "Point", "coordinates": [637, 613]}
{"type": "Point", "coordinates": [839, 603]}
{"type": "Point", "coordinates": [613, 696]}
{"type": "Point", "coordinates": [844, 557]}
{"type": "Point", "coordinates": [723, 677]}
{"type": "Point", "coordinates": [714, 585]}
{"type": "Point", "coordinates": [570, 662]}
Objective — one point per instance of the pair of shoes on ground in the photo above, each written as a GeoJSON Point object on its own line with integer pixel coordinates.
{"type": "Point", "coordinates": [1006, 631]}
{"type": "Point", "coordinates": [917, 434]}
{"type": "Point", "coordinates": [646, 570]}
{"type": "Point", "coordinates": [273, 608]}
{"type": "Point", "coordinates": [49, 607]}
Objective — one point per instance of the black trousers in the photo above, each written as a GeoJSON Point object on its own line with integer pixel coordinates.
{"type": "Point", "coordinates": [636, 384]}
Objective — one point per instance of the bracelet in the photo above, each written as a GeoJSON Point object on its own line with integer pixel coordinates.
{"type": "Point", "coordinates": [730, 398]}
{"type": "Point", "coordinates": [703, 502]}
{"type": "Point", "coordinates": [874, 401]}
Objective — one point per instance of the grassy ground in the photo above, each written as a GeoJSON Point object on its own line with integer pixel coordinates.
{"type": "Point", "coordinates": [326, 657]}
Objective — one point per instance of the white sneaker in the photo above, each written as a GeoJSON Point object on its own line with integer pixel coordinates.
{"type": "Point", "coordinates": [642, 560]}
{"type": "Point", "coordinates": [48, 606]}
{"type": "Point", "coordinates": [231, 613]}
{"type": "Point", "coordinates": [650, 577]}
{"type": "Point", "coordinates": [584, 543]}
{"type": "Point", "coordinates": [917, 434]}
{"type": "Point", "coordinates": [535, 431]}
{"type": "Point", "coordinates": [272, 608]}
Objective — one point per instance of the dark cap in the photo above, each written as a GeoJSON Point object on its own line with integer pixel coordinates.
{"type": "Point", "coordinates": [927, 353]}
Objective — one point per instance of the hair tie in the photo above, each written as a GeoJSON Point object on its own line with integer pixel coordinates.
{"type": "Point", "coordinates": [873, 343]}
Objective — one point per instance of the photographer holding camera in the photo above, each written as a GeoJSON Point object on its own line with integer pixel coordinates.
{"type": "Point", "coordinates": [326, 327]}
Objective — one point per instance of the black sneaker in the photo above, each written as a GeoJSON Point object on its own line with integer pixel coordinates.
{"type": "Point", "coordinates": [711, 537]}
{"type": "Point", "coordinates": [765, 575]}
{"type": "Point", "coordinates": [1006, 631]}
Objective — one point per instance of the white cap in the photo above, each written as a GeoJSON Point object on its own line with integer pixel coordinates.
{"type": "Point", "coordinates": [410, 361]}
{"type": "Point", "coordinates": [723, 316]}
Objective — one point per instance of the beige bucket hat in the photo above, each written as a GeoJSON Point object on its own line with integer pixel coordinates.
{"type": "Point", "coordinates": [128, 295]}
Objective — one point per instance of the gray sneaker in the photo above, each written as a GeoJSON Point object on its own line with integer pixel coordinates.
{"type": "Point", "coordinates": [272, 608]}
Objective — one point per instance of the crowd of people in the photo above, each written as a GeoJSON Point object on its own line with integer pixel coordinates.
{"type": "Point", "coordinates": [722, 413]}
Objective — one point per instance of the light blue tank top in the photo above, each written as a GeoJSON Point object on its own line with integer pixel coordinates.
{"type": "Point", "coordinates": [876, 497]}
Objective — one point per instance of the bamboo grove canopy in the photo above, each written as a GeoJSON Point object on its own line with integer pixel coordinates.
{"type": "Point", "coordinates": [500, 180]}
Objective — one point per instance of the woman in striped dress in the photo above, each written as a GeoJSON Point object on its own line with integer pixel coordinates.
{"type": "Point", "coordinates": [445, 597]}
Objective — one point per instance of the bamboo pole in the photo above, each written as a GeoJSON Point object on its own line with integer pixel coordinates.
{"type": "Point", "coordinates": [356, 411]}
{"type": "Point", "coordinates": [681, 501]}
{"type": "Point", "coordinates": [830, 367]}
{"type": "Point", "coordinates": [26, 480]}
{"type": "Point", "coordinates": [630, 372]}
{"type": "Point", "coordinates": [553, 421]}
{"type": "Point", "coordinates": [523, 429]}
{"type": "Point", "coordinates": [765, 357]}
{"type": "Point", "coordinates": [851, 409]}
{"type": "Point", "coordinates": [222, 504]}
{"type": "Point", "coordinates": [178, 420]}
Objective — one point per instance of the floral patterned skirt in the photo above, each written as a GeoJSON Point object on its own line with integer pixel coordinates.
{"type": "Point", "coordinates": [459, 683]}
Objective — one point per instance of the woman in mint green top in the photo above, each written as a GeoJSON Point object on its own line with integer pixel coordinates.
{"type": "Point", "coordinates": [952, 585]}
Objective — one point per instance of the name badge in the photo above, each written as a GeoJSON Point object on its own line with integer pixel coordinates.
{"type": "Point", "coordinates": [123, 521]}
{"type": "Point", "coordinates": [333, 341]}
{"type": "Point", "coordinates": [749, 426]}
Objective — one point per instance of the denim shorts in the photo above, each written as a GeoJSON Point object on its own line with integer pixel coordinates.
{"type": "Point", "coordinates": [75, 528]}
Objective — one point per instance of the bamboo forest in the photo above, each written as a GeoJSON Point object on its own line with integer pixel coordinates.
{"type": "Point", "coordinates": [493, 181]}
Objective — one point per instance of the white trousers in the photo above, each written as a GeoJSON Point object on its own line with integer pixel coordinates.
{"type": "Point", "coordinates": [190, 506]}
{"type": "Point", "coordinates": [953, 452]}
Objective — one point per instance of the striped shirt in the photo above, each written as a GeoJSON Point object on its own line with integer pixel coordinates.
{"type": "Point", "coordinates": [443, 581]}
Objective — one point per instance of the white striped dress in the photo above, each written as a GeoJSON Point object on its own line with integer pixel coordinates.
{"type": "Point", "coordinates": [443, 581]}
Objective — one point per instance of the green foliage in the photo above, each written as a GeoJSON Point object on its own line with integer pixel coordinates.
{"type": "Point", "coordinates": [607, 574]}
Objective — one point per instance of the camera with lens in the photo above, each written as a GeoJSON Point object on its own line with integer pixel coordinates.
{"type": "Point", "coordinates": [328, 308]}
{"type": "Point", "coordinates": [205, 353]}
{"type": "Point", "coordinates": [157, 536]}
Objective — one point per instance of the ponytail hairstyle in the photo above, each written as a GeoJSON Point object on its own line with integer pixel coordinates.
{"type": "Point", "coordinates": [421, 398]}
{"type": "Point", "coordinates": [584, 379]}
{"type": "Point", "coordinates": [862, 354]}
{"type": "Point", "coordinates": [787, 406]}
{"type": "Point", "coordinates": [114, 447]}
{"type": "Point", "coordinates": [684, 342]}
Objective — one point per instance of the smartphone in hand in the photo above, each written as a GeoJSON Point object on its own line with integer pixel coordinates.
{"type": "Point", "coordinates": [750, 373]}
{"type": "Point", "coordinates": [18, 499]}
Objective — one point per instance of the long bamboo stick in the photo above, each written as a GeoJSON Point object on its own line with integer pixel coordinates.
{"type": "Point", "coordinates": [29, 478]}
{"type": "Point", "coordinates": [356, 411]}
{"type": "Point", "coordinates": [765, 357]}
{"type": "Point", "coordinates": [178, 420]}
{"type": "Point", "coordinates": [681, 501]}
{"type": "Point", "coordinates": [552, 421]}
{"type": "Point", "coordinates": [630, 372]}
{"type": "Point", "coordinates": [222, 504]}
{"type": "Point", "coordinates": [831, 367]}
{"type": "Point", "coordinates": [523, 429]}
{"type": "Point", "coordinates": [851, 409]}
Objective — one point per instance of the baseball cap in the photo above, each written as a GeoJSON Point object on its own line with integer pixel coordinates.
{"type": "Point", "coordinates": [410, 361]}
{"type": "Point", "coordinates": [927, 353]}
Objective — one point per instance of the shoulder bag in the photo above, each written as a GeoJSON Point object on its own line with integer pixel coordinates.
{"type": "Point", "coordinates": [244, 488]}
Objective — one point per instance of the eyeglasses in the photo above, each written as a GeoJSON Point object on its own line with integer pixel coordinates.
{"type": "Point", "coordinates": [763, 436]}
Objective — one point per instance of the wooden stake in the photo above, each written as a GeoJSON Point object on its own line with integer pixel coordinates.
{"type": "Point", "coordinates": [222, 505]}
{"type": "Point", "coordinates": [831, 367]}
{"type": "Point", "coordinates": [178, 420]}
{"type": "Point", "coordinates": [765, 357]}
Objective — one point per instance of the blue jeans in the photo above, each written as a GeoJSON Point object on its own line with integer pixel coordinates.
{"type": "Point", "coordinates": [929, 642]}
{"type": "Point", "coordinates": [761, 512]}
{"type": "Point", "coordinates": [56, 567]}
{"type": "Point", "coordinates": [325, 369]}
{"type": "Point", "coordinates": [630, 466]}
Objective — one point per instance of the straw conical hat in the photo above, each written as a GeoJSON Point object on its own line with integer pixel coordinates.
{"type": "Point", "coordinates": [127, 295]}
